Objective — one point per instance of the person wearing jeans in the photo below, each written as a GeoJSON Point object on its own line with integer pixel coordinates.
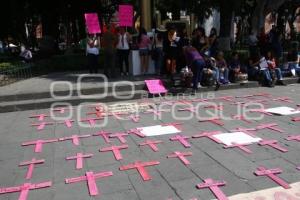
{"type": "Point", "coordinates": [123, 50]}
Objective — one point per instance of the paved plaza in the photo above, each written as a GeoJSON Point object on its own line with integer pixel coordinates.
{"type": "Point", "coordinates": [169, 178]}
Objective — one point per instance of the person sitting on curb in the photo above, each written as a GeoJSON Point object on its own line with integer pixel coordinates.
{"type": "Point", "coordinates": [274, 71]}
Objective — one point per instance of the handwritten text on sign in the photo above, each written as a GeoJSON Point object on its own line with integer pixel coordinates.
{"type": "Point", "coordinates": [126, 15]}
{"type": "Point", "coordinates": [92, 23]}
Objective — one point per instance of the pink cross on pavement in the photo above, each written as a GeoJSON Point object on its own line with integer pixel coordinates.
{"type": "Point", "coordinates": [248, 131]}
{"type": "Point", "coordinates": [215, 107]}
{"type": "Point", "coordinates": [209, 135]}
{"type": "Point", "coordinates": [39, 144]}
{"type": "Point", "coordinates": [293, 137]}
{"type": "Point", "coordinates": [116, 150]}
{"type": "Point", "coordinates": [91, 121]}
{"type": "Point", "coordinates": [181, 156]}
{"type": "Point", "coordinates": [262, 111]}
{"type": "Point", "coordinates": [241, 118]}
{"type": "Point", "coordinates": [214, 187]}
{"type": "Point", "coordinates": [31, 164]}
{"type": "Point", "coordinates": [91, 178]}
{"type": "Point", "coordinates": [75, 138]}
{"type": "Point", "coordinates": [152, 144]}
{"type": "Point", "coordinates": [79, 159]}
{"type": "Point", "coordinates": [182, 139]}
{"type": "Point", "coordinates": [42, 125]}
{"type": "Point", "coordinates": [177, 125]}
{"type": "Point", "coordinates": [135, 118]}
{"type": "Point", "coordinates": [271, 173]}
{"type": "Point", "coordinates": [25, 188]}
{"type": "Point", "coordinates": [271, 126]}
{"type": "Point", "coordinates": [136, 132]}
{"type": "Point", "coordinates": [156, 112]}
{"type": "Point", "coordinates": [190, 109]}
{"type": "Point", "coordinates": [226, 98]}
{"type": "Point", "coordinates": [284, 99]}
{"type": "Point", "coordinates": [140, 166]}
{"type": "Point", "coordinates": [240, 146]}
{"type": "Point", "coordinates": [104, 135]}
{"type": "Point", "coordinates": [274, 144]}
{"type": "Point", "coordinates": [120, 137]}
{"type": "Point", "coordinates": [296, 119]}
{"type": "Point", "coordinates": [40, 117]}
{"type": "Point", "coordinates": [67, 122]}
{"type": "Point", "coordinates": [214, 120]}
{"type": "Point", "coordinates": [98, 113]}
{"type": "Point", "coordinates": [61, 110]}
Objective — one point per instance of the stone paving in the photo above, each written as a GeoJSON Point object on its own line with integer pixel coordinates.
{"type": "Point", "coordinates": [171, 179]}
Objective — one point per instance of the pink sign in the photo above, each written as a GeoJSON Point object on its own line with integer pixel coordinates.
{"type": "Point", "coordinates": [92, 23]}
{"type": "Point", "coordinates": [155, 86]}
{"type": "Point", "coordinates": [126, 15]}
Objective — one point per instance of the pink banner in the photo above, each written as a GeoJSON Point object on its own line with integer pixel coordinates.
{"type": "Point", "coordinates": [126, 15]}
{"type": "Point", "coordinates": [155, 86]}
{"type": "Point", "coordinates": [92, 23]}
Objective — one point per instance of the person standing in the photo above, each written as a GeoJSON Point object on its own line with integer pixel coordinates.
{"type": "Point", "coordinates": [123, 50]}
{"type": "Point", "coordinates": [171, 51]}
{"type": "Point", "coordinates": [144, 43]}
{"type": "Point", "coordinates": [158, 52]}
{"type": "Point", "coordinates": [92, 51]}
{"type": "Point", "coordinates": [109, 41]}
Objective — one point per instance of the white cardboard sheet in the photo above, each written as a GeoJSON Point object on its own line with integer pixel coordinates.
{"type": "Point", "coordinates": [283, 111]}
{"type": "Point", "coordinates": [237, 137]}
{"type": "Point", "coordinates": [158, 130]}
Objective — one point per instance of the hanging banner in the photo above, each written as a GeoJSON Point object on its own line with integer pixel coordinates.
{"type": "Point", "coordinates": [92, 23]}
{"type": "Point", "coordinates": [126, 15]}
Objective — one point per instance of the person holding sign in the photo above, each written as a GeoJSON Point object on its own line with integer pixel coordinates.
{"type": "Point", "coordinates": [92, 51]}
{"type": "Point", "coordinates": [123, 50]}
{"type": "Point", "coordinates": [144, 43]}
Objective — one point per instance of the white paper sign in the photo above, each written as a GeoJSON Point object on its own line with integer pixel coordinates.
{"type": "Point", "coordinates": [237, 138]}
{"type": "Point", "coordinates": [283, 111]}
{"type": "Point", "coordinates": [158, 130]}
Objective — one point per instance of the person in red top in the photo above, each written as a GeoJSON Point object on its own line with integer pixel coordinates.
{"type": "Point", "coordinates": [144, 43]}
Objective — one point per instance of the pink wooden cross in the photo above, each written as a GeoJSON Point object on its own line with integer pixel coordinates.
{"type": "Point", "coordinates": [182, 139]}
{"type": "Point", "coordinates": [296, 119]}
{"type": "Point", "coordinates": [271, 173]}
{"type": "Point", "coordinates": [152, 144]}
{"type": "Point", "coordinates": [91, 178]}
{"type": "Point", "coordinates": [255, 95]}
{"type": "Point", "coordinates": [39, 144]}
{"type": "Point", "coordinates": [120, 137]}
{"type": "Point", "coordinates": [117, 115]}
{"type": "Point", "coordinates": [98, 113]}
{"type": "Point", "coordinates": [240, 146]}
{"type": "Point", "coordinates": [181, 156]}
{"type": "Point", "coordinates": [226, 98]}
{"type": "Point", "coordinates": [214, 187]}
{"type": "Point", "coordinates": [271, 126]}
{"type": "Point", "coordinates": [210, 135]}
{"type": "Point", "coordinates": [25, 188]}
{"type": "Point", "coordinates": [262, 111]}
{"type": "Point", "coordinates": [116, 150]}
{"type": "Point", "coordinates": [42, 125]}
{"type": "Point", "coordinates": [262, 101]}
{"type": "Point", "coordinates": [68, 123]}
{"type": "Point", "coordinates": [104, 135]}
{"type": "Point", "coordinates": [75, 138]}
{"type": "Point", "coordinates": [191, 109]}
{"type": "Point", "coordinates": [156, 112]}
{"type": "Point", "coordinates": [298, 168]}
{"type": "Point", "coordinates": [215, 107]}
{"type": "Point", "coordinates": [40, 117]}
{"type": "Point", "coordinates": [284, 99]}
{"type": "Point", "coordinates": [31, 164]}
{"type": "Point", "coordinates": [79, 159]}
{"type": "Point", "coordinates": [62, 109]}
{"type": "Point", "coordinates": [242, 118]}
{"type": "Point", "coordinates": [91, 121]}
{"type": "Point", "coordinates": [293, 137]}
{"type": "Point", "coordinates": [136, 132]}
{"type": "Point", "coordinates": [274, 144]}
{"type": "Point", "coordinates": [200, 100]}
{"type": "Point", "coordinates": [140, 166]}
{"type": "Point", "coordinates": [215, 120]}
{"type": "Point", "coordinates": [134, 118]}
{"type": "Point", "coordinates": [177, 125]}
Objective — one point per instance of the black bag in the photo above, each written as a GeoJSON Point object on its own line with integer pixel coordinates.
{"type": "Point", "coordinates": [207, 79]}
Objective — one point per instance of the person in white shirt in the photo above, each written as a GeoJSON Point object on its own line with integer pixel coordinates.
{"type": "Point", "coordinates": [25, 54]}
{"type": "Point", "coordinates": [123, 49]}
{"type": "Point", "coordinates": [92, 51]}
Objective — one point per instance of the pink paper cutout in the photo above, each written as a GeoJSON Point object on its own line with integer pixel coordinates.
{"type": "Point", "coordinates": [155, 86]}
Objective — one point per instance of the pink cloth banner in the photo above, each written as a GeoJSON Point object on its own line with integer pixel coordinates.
{"type": "Point", "coordinates": [92, 23]}
{"type": "Point", "coordinates": [126, 15]}
{"type": "Point", "coordinates": [155, 86]}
